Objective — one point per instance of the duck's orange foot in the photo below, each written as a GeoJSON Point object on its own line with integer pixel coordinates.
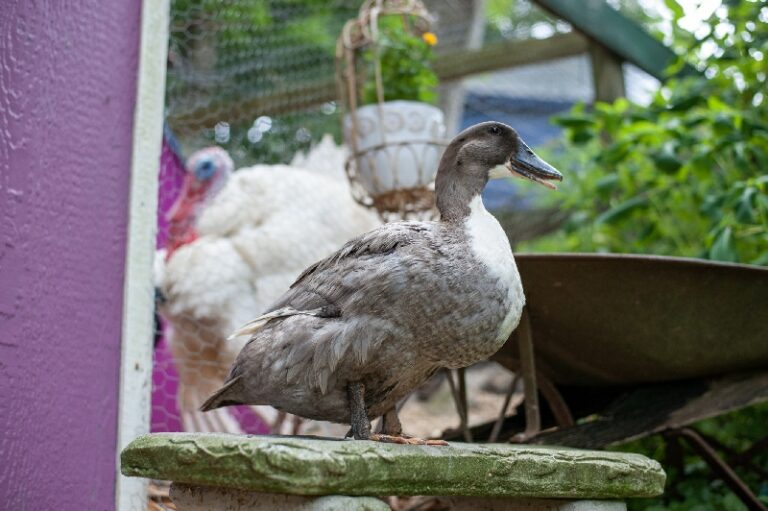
{"type": "Point", "coordinates": [391, 439]}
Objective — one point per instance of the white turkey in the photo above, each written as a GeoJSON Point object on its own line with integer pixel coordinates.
{"type": "Point", "coordinates": [236, 241]}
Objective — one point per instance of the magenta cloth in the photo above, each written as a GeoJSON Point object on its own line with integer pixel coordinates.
{"type": "Point", "coordinates": [165, 383]}
{"type": "Point", "coordinates": [165, 379]}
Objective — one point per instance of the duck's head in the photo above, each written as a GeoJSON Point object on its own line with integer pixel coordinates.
{"type": "Point", "coordinates": [481, 152]}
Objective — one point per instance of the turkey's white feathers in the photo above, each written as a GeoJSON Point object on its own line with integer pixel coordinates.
{"type": "Point", "coordinates": [325, 159]}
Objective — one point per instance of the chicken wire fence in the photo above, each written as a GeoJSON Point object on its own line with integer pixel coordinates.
{"type": "Point", "coordinates": [256, 78]}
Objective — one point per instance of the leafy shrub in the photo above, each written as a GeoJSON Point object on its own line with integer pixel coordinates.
{"type": "Point", "coordinates": [691, 485]}
{"type": "Point", "coordinates": [686, 175]}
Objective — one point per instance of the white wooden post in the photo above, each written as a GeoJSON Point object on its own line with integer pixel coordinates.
{"type": "Point", "coordinates": [138, 298]}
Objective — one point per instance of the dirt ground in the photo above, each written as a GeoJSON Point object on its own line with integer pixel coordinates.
{"type": "Point", "coordinates": [487, 385]}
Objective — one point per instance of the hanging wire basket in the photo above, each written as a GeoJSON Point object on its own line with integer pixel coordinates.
{"type": "Point", "coordinates": [395, 146]}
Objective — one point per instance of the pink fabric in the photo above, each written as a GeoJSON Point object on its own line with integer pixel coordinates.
{"type": "Point", "coordinates": [165, 379]}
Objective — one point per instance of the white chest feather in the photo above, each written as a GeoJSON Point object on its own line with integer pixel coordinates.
{"type": "Point", "coordinates": [491, 247]}
{"type": "Point", "coordinates": [489, 242]}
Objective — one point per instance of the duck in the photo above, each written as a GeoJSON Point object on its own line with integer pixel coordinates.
{"type": "Point", "coordinates": [361, 329]}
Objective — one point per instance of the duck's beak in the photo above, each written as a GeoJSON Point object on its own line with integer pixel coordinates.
{"type": "Point", "coordinates": [524, 163]}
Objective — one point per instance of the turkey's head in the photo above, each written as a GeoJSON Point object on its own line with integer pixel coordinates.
{"type": "Point", "coordinates": [207, 171]}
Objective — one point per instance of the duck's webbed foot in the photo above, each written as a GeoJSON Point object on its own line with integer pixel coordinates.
{"type": "Point", "coordinates": [391, 431]}
{"type": "Point", "coordinates": [405, 439]}
{"type": "Point", "coordinates": [361, 426]}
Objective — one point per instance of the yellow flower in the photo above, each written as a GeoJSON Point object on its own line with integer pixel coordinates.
{"type": "Point", "coordinates": [429, 38]}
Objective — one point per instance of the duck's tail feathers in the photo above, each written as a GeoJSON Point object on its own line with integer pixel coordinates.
{"type": "Point", "coordinates": [257, 324]}
{"type": "Point", "coordinates": [227, 395]}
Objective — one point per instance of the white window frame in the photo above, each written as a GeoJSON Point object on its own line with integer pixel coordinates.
{"type": "Point", "coordinates": [138, 288]}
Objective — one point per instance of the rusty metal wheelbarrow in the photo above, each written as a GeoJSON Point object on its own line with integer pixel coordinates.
{"type": "Point", "coordinates": [630, 345]}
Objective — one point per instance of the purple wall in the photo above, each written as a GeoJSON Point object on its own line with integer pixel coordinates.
{"type": "Point", "coordinates": [67, 92]}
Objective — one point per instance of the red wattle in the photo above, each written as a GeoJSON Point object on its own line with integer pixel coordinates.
{"type": "Point", "coordinates": [182, 216]}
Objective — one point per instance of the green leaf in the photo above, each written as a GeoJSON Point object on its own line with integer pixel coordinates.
{"type": "Point", "coordinates": [666, 159]}
{"type": "Point", "coordinates": [574, 122]}
{"type": "Point", "coordinates": [723, 248]}
{"type": "Point", "coordinates": [745, 212]}
{"type": "Point", "coordinates": [715, 104]}
{"type": "Point", "coordinates": [607, 183]}
{"type": "Point", "coordinates": [614, 154]}
{"type": "Point", "coordinates": [676, 8]}
{"type": "Point", "coordinates": [621, 211]}
{"type": "Point", "coordinates": [580, 137]}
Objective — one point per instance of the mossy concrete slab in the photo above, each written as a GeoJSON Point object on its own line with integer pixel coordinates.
{"type": "Point", "coordinates": [313, 466]}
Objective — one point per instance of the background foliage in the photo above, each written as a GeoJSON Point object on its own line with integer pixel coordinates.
{"type": "Point", "coordinates": [686, 175]}
{"type": "Point", "coordinates": [691, 485]}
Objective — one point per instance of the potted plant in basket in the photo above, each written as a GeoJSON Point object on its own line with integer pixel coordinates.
{"type": "Point", "coordinates": [396, 135]}
{"type": "Point", "coordinates": [406, 64]}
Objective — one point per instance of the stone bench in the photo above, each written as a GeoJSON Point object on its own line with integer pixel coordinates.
{"type": "Point", "coordinates": [244, 472]}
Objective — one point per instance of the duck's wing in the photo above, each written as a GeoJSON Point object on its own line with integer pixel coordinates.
{"type": "Point", "coordinates": [345, 296]}
{"type": "Point", "coordinates": [376, 243]}
{"type": "Point", "coordinates": [322, 288]}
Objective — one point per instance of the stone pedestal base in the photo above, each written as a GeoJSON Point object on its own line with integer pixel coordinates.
{"type": "Point", "coordinates": [472, 504]}
{"type": "Point", "coordinates": [204, 498]}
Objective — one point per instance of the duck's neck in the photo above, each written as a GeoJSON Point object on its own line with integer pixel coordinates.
{"type": "Point", "coordinates": [455, 188]}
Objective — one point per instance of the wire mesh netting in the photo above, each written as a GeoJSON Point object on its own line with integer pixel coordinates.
{"type": "Point", "coordinates": [257, 78]}
{"type": "Point", "coordinates": [236, 66]}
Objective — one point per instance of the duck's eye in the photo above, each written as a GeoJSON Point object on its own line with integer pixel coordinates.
{"type": "Point", "coordinates": [494, 130]}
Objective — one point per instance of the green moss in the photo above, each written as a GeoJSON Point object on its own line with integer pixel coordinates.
{"type": "Point", "coordinates": [307, 466]}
